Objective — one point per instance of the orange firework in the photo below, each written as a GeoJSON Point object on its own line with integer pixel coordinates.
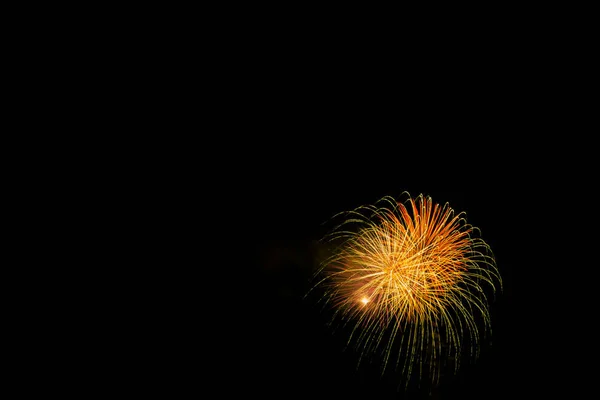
{"type": "Point", "coordinates": [411, 280]}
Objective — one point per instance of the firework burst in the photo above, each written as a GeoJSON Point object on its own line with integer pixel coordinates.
{"type": "Point", "coordinates": [411, 282]}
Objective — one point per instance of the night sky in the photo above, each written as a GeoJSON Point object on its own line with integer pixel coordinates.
{"type": "Point", "coordinates": [278, 127]}
{"type": "Point", "coordinates": [310, 148]}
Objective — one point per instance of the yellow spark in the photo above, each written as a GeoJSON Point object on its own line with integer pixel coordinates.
{"type": "Point", "coordinates": [428, 276]}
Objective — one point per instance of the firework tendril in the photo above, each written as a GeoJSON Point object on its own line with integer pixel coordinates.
{"type": "Point", "coordinates": [410, 281]}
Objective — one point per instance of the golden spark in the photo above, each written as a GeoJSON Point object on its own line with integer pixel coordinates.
{"type": "Point", "coordinates": [412, 280]}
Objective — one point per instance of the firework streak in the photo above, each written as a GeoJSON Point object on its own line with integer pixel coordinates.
{"type": "Point", "coordinates": [409, 281]}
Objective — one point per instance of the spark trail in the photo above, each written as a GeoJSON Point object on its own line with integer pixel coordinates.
{"type": "Point", "coordinates": [410, 281]}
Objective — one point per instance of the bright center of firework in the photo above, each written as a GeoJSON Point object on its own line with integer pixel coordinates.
{"type": "Point", "coordinates": [364, 300]}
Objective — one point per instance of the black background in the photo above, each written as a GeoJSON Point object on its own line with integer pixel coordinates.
{"type": "Point", "coordinates": [226, 141]}
{"type": "Point", "coordinates": [303, 161]}
{"type": "Point", "coordinates": [299, 127]}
